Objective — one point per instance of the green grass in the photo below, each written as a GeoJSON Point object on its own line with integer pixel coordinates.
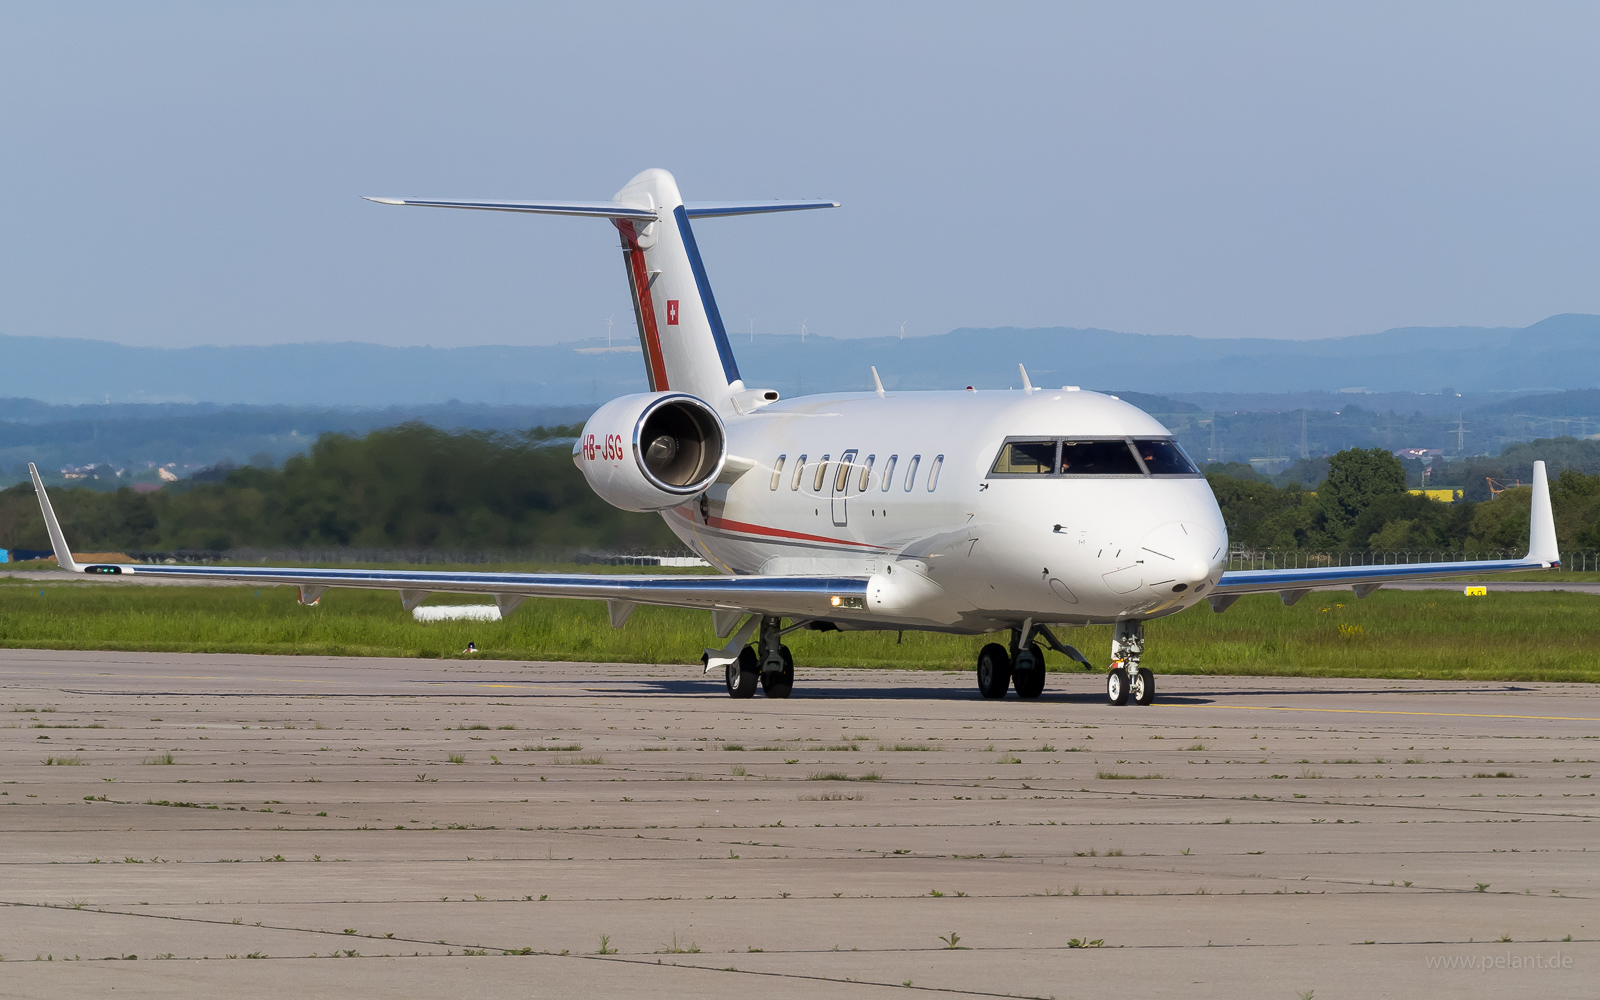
{"type": "Point", "coordinates": [1427, 634]}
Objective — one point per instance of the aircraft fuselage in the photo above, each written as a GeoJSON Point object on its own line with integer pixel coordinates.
{"type": "Point", "coordinates": [906, 483]}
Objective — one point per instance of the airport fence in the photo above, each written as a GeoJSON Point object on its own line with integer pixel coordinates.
{"type": "Point", "coordinates": [1585, 560]}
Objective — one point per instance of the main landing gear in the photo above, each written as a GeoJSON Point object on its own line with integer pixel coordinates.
{"type": "Point", "coordinates": [1127, 680]}
{"type": "Point", "coordinates": [766, 663]}
{"type": "Point", "coordinates": [1021, 667]}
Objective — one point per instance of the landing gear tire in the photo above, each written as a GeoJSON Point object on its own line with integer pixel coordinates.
{"type": "Point", "coordinates": [1143, 687]}
{"type": "Point", "coordinates": [776, 684]}
{"type": "Point", "coordinates": [1117, 686]}
{"type": "Point", "coordinates": [1030, 682]}
{"type": "Point", "coordinates": [744, 674]}
{"type": "Point", "coordinates": [994, 671]}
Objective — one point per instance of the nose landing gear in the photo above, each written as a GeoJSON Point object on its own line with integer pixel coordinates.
{"type": "Point", "coordinates": [1128, 679]}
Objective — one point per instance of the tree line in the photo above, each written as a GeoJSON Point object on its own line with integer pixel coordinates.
{"type": "Point", "coordinates": [409, 487]}
{"type": "Point", "coordinates": [417, 487]}
{"type": "Point", "coordinates": [1362, 505]}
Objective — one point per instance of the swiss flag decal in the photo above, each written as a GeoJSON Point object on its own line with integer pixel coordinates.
{"type": "Point", "coordinates": [672, 312]}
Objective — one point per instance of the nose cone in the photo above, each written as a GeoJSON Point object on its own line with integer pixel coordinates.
{"type": "Point", "coordinates": [1180, 557]}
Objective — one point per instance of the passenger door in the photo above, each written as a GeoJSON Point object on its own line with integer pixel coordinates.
{"type": "Point", "coordinates": [841, 488]}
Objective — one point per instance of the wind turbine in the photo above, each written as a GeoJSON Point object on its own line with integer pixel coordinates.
{"type": "Point", "coordinates": [608, 328]}
{"type": "Point", "coordinates": [902, 329]}
{"type": "Point", "coordinates": [752, 331]}
{"type": "Point", "coordinates": [803, 330]}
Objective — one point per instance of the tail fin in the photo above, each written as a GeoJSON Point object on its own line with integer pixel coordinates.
{"type": "Point", "coordinates": [685, 346]}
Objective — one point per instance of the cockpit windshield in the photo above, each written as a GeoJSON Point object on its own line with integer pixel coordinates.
{"type": "Point", "coordinates": [1036, 458]}
{"type": "Point", "coordinates": [1093, 457]}
{"type": "Point", "coordinates": [1098, 458]}
{"type": "Point", "coordinates": [1164, 458]}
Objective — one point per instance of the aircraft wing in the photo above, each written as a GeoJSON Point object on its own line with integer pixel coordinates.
{"type": "Point", "coordinates": [785, 596]}
{"type": "Point", "coordinates": [1293, 584]}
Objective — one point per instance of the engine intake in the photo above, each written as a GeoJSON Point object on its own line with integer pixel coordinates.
{"type": "Point", "coordinates": [651, 451]}
{"type": "Point", "coordinates": [680, 444]}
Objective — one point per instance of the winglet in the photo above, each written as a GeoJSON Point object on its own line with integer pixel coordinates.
{"type": "Point", "coordinates": [58, 541]}
{"type": "Point", "coordinates": [1542, 546]}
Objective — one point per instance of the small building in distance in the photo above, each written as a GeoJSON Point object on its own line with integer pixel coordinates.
{"type": "Point", "coordinates": [1427, 456]}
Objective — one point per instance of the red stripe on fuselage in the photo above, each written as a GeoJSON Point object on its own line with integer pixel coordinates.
{"type": "Point", "coordinates": [639, 278]}
{"type": "Point", "coordinates": [760, 529]}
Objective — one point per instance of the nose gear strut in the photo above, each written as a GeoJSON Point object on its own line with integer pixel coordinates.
{"type": "Point", "coordinates": [1127, 678]}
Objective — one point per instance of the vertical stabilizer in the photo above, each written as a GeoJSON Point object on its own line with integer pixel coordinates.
{"type": "Point", "coordinates": [686, 348]}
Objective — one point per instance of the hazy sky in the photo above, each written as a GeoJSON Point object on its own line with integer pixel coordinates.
{"type": "Point", "coordinates": [182, 174]}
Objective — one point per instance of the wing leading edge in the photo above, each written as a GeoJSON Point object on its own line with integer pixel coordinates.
{"type": "Point", "coordinates": [786, 596]}
{"type": "Point", "coordinates": [1293, 584]}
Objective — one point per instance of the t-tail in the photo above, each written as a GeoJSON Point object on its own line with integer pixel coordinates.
{"type": "Point", "coordinates": [685, 345]}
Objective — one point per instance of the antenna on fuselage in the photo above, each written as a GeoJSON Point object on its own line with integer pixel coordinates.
{"type": "Point", "coordinates": [877, 382]}
{"type": "Point", "coordinates": [1027, 386]}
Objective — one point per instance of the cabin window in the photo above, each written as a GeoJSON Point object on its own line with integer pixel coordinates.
{"type": "Point", "coordinates": [911, 471]}
{"type": "Point", "coordinates": [842, 478]}
{"type": "Point", "coordinates": [799, 470]}
{"type": "Point", "coordinates": [822, 475]}
{"type": "Point", "coordinates": [866, 473]}
{"type": "Point", "coordinates": [888, 472]}
{"type": "Point", "coordinates": [933, 473]}
{"type": "Point", "coordinates": [1026, 458]}
{"type": "Point", "coordinates": [1098, 458]}
{"type": "Point", "coordinates": [777, 471]}
{"type": "Point", "coordinates": [1164, 458]}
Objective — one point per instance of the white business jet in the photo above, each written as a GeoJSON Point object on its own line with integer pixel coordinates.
{"type": "Point", "coordinates": [972, 512]}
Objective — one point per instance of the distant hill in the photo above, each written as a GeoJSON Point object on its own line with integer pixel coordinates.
{"type": "Point", "coordinates": [133, 437]}
{"type": "Point", "coordinates": [1559, 353]}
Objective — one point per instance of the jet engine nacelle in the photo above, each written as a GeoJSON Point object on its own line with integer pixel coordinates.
{"type": "Point", "coordinates": [651, 451]}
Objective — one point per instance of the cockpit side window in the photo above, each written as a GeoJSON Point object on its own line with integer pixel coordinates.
{"type": "Point", "coordinates": [1025, 458]}
{"type": "Point", "coordinates": [1165, 458]}
{"type": "Point", "coordinates": [1098, 458]}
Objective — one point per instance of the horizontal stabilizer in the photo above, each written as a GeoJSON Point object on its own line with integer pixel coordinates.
{"type": "Point", "coordinates": [612, 209]}
{"type": "Point", "coordinates": [590, 209]}
{"type": "Point", "coordinates": [716, 209]}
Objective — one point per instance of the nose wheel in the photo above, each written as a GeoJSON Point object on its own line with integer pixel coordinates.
{"type": "Point", "coordinates": [1117, 686]}
{"type": "Point", "coordinates": [1142, 687]}
{"type": "Point", "coordinates": [1128, 681]}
